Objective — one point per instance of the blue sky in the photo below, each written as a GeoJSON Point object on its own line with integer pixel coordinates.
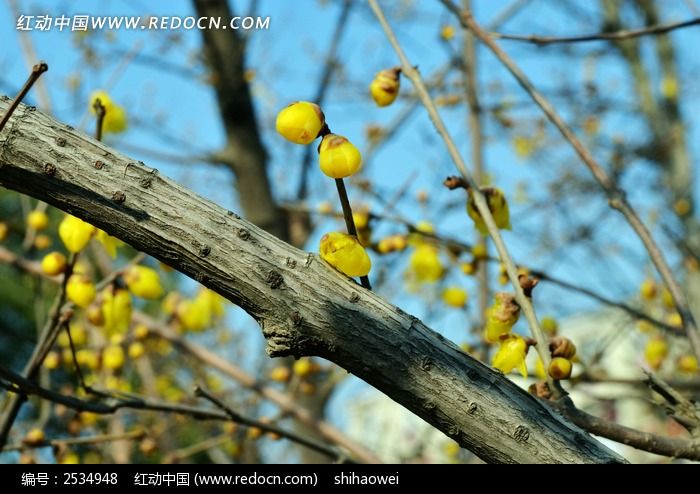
{"type": "Point", "coordinates": [173, 112]}
{"type": "Point", "coordinates": [176, 114]}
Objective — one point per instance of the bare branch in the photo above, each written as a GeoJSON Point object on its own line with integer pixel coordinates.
{"type": "Point", "coordinates": [614, 36]}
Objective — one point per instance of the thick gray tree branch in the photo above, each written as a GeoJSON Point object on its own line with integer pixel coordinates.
{"type": "Point", "coordinates": [303, 306]}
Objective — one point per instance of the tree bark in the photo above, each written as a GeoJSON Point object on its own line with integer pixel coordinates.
{"type": "Point", "coordinates": [303, 306]}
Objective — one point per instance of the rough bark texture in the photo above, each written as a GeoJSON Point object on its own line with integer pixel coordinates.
{"type": "Point", "coordinates": [302, 305]}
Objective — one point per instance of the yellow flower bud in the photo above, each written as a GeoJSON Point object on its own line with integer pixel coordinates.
{"type": "Point", "coordinates": [560, 368]}
{"type": "Point", "coordinates": [69, 459]}
{"type": "Point", "coordinates": [501, 317]}
{"type": "Point", "coordinates": [300, 122]}
{"type": "Point", "coordinates": [109, 243]}
{"type": "Point", "coordinates": [304, 367]}
{"type": "Point", "coordinates": [338, 157]}
{"type": "Point", "coordinates": [88, 358]}
{"type": "Point", "coordinates": [280, 374]}
{"type": "Point", "coordinates": [77, 333]}
{"type": "Point", "coordinates": [667, 299]}
{"type": "Point", "coordinates": [34, 437]}
{"type": "Point", "coordinates": [75, 233]}
{"type": "Point", "coordinates": [42, 242]}
{"type": "Point", "coordinates": [425, 264]}
{"type": "Point", "coordinates": [511, 355]}
{"type": "Point", "coordinates": [254, 433]}
{"type": "Point", "coordinates": [113, 357]}
{"type": "Point", "coordinates": [562, 347]}
{"type": "Point", "coordinates": [645, 326]}
{"type": "Point", "coordinates": [94, 314]}
{"type": "Point", "coordinates": [53, 263]}
{"type": "Point", "coordinates": [675, 319]}
{"type": "Point", "coordinates": [115, 120]}
{"type": "Point", "coordinates": [496, 201]}
{"type": "Point", "coordinates": [392, 243]}
{"type": "Point", "coordinates": [141, 332]}
{"type": "Point", "coordinates": [136, 350]}
{"type": "Point", "coordinates": [385, 86]}
{"type": "Point", "coordinates": [4, 230]}
{"type": "Point", "coordinates": [455, 296]}
{"type": "Point", "coordinates": [682, 207]}
{"type": "Point", "coordinates": [116, 310]}
{"type": "Point", "coordinates": [143, 282]}
{"type": "Point", "coordinates": [361, 219]}
{"type": "Point", "coordinates": [468, 268]}
{"type": "Point", "coordinates": [656, 351]}
{"type": "Point", "coordinates": [38, 220]}
{"type": "Point", "coordinates": [669, 87]}
{"type": "Point", "coordinates": [170, 303]}
{"type": "Point", "coordinates": [345, 254]}
{"type": "Point", "coordinates": [688, 364]}
{"type": "Point", "coordinates": [80, 290]}
{"type": "Point", "coordinates": [647, 290]}
{"type": "Point", "coordinates": [549, 325]}
{"type": "Point", "coordinates": [425, 227]}
{"type": "Point", "coordinates": [479, 251]}
{"type": "Point", "coordinates": [52, 360]}
{"type": "Point", "coordinates": [307, 388]}
{"type": "Point", "coordinates": [447, 32]}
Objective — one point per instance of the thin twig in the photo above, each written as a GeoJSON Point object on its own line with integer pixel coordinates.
{"type": "Point", "coordinates": [479, 199]}
{"type": "Point", "coordinates": [36, 72]}
{"type": "Point", "coordinates": [265, 427]}
{"type": "Point", "coordinates": [100, 111]}
{"type": "Point", "coordinates": [615, 194]}
{"type": "Point", "coordinates": [30, 56]}
{"type": "Point", "coordinates": [614, 36]}
{"type": "Point", "coordinates": [349, 220]}
{"type": "Point", "coordinates": [476, 133]}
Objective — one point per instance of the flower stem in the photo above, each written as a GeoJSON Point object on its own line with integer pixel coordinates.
{"type": "Point", "coordinates": [349, 220]}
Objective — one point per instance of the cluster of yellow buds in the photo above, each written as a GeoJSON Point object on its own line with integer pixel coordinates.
{"type": "Point", "coordinates": [302, 122]}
